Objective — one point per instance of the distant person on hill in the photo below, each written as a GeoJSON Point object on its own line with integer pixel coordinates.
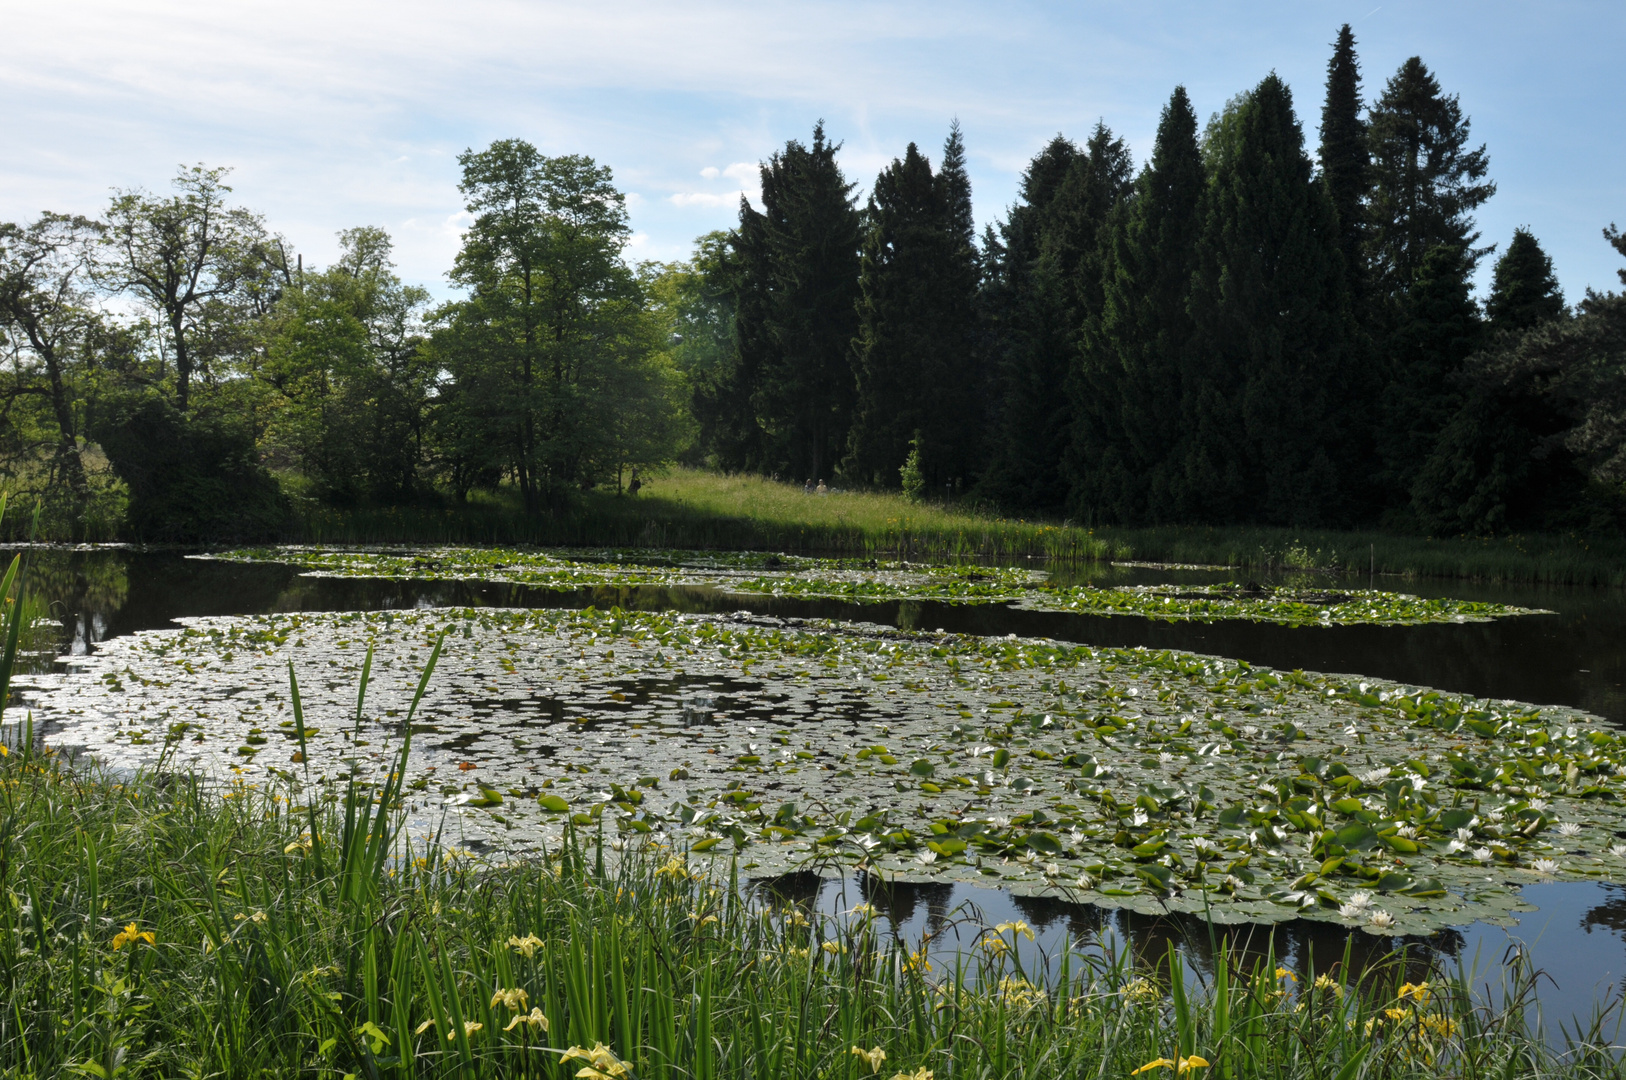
{"type": "Point", "coordinates": [807, 488]}
{"type": "Point", "coordinates": [635, 484]}
{"type": "Point", "coordinates": [821, 489]}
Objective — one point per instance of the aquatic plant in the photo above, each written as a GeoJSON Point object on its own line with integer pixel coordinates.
{"type": "Point", "coordinates": [1153, 780]}
{"type": "Point", "coordinates": [872, 581]}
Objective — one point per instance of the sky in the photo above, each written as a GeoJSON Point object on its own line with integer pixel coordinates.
{"type": "Point", "coordinates": [335, 114]}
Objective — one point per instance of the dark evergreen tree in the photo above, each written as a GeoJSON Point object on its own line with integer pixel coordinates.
{"type": "Point", "coordinates": [952, 453]}
{"type": "Point", "coordinates": [1439, 327]}
{"type": "Point", "coordinates": [1027, 425]}
{"type": "Point", "coordinates": [1144, 332]}
{"type": "Point", "coordinates": [1427, 182]}
{"type": "Point", "coordinates": [796, 311]}
{"type": "Point", "coordinates": [1524, 291]}
{"type": "Point", "coordinates": [897, 318]}
{"type": "Point", "coordinates": [1617, 240]}
{"type": "Point", "coordinates": [1271, 348]}
{"type": "Point", "coordinates": [1059, 294]}
{"type": "Point", "coordinates": [1345, 161]}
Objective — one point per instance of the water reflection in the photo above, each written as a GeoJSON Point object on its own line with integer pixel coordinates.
{"type": "Point", "coordinates": [1572, 657]}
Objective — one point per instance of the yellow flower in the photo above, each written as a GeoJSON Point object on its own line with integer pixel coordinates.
{"type": "Point", "coordinates": [1418, 992]}
{"type": "Point", "coordinates": [1331, 985]}
{"type": "Point", "coordinates": [1284, 973]}
{"type": "Point", "coordinates": [921, 1073]}
{"type": "Point", "coordinates": [874, 1056]}
{"type": "Point", "coordinates": [833, 948]}
{"type": "Point", "coordinates": [1183, 1066]}
{"type": "Point", "coordinates": [423, 1027]}
{"type": "Point", "coordinates": [469, 1028]}
{"type": "Point", "coordinates": [130, 935]}
{"type": "Point", "coordinates": [1139, 990]}
{"type": "Point", "coordinates": [534, 1018]}
{"type": "Point", "coordinates": [1018, 926]}
{"type": "Point", "coordinates": [701, 920]}
{"type": "Point", "coordinates": [526, 946]}
{"type": "Point", "coordinates": [302, 845]}
{"type": "Point", "coordinates": [515, 999]}
{"type": "Point", "coordinates": [917, 962]}
{"type": "Point", "coordinates": [601, 1063]}
{"type": "Point", "coordinates": [868, 911]}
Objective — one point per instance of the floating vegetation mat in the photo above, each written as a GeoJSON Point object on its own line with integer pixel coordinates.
{"type": "Point", "coordinates": [1152, 780]}
{"type": "Point", "coordinates": [879, 582]}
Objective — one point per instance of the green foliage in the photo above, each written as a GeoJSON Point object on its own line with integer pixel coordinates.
{"type": "Point", "coordinates": [1427, 182]}
{"type": "Point", "coordinates": [912, 480]}
{"type": "Point", "coordinates": [1345, 159]}
{"type": "Point", "coordinates": [1270, 305]}
{"type": "Point", "coordinates": [190, 478]}
{"type": "Point", "coordinates": [560, 378]}
{"type": "Point", "coordinates": [913, 356]}
{"type": "Point", "coordinates": [1145, 332]}
{"type": "Point", "coordinates": [795, 310]}
{"type": "Point", "coordinates": [344, 351]}
{"type": "Point", "coordinates": [1524, 292]}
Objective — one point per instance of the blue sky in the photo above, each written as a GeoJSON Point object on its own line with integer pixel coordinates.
{"type": "Point", "coordinates": [336, 114]}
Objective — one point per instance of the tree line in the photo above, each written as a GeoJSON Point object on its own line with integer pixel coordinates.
{"type": "Point", "coordinates": [175, 372]}
{"type": "Point", "coordinates": [1238, 331]}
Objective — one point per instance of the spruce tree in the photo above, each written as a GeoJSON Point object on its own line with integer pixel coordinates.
{"type": "Point", "coordinates": [1145, 329]}
{"type": "Point", "coordinates": [1427, 181]}
{"type": "Point", "coordinates": [903, 251]}
{"type": "Point", "coordinates": [1345, 161]}
{"type": "Point", "coordinates": [796, 315]}
{"type": "Point", "coordinates": [1027, 429]}
{"type": "Point", "coordinates": [1438, 328]}
{"type": "Point", "coordinates": [1271, 348]}
{"type": "Point", "coordinates": [1524, 292]}
{"type": "Point", "coordinates": [950, 451]}
{"type": "Point", "coordinates": [1617, 240]}
{"type": "Point", "coordinates": [1059, 294]}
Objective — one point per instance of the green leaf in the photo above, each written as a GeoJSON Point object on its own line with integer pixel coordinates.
{"type": "Point", "coordinates": [552, 803]}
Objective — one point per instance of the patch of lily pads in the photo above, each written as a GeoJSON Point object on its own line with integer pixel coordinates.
{"type": "Point", "coordinates": [1150, 780]}
{"type": "Point", "coordinates": [871, 581]}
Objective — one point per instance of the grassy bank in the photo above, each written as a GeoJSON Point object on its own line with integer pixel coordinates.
{"type": "Point", "coordinates": [154, 929]}
{"type": "Point", "coordinates": [687, 508]}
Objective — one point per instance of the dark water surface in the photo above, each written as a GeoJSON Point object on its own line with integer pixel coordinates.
{"type": "Point", "coordinates": [1575, 656]}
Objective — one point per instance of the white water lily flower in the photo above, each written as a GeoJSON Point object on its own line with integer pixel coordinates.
{"type": "Point", "coordinates": [1375, 776]}
{"type": "Point", "coordinates": [1360, 901]}
{"type": "Point", "coordinates": [1249, 730]}
{"type": "Point", "coordinates": [1618, 851]}
{"type": "Point", "coordinates": [1569, 828]}
{"type": "Point", "coordinates": [1140, 818]}
{"type": "Point", "coordinates": [1052, 870]}
{"type": "Point", "coordinates": [1454, 846]}
{"type": "Point", "coordinates": [1382, 920]}
{"type": "Point", "coordinates": [1164, 758]}
{"type": "Point", "coordinates": [1483, 854]}
{"type": "Point", "coordinates": [1408, 831]}
{"type": "Point", "coordinates": [1552, 768]}
{"type": "Point", "coordinates": [1538, 804]}
{"type": "Point", "coordinates": [927, 857]}
{"type": "Point", "coordinates": [1350, 911]}
{"type": "Point", "coordinates": [1085, 881]}
{"type": "Point", "coordinates": [1465, 835]}
{"type": "Point", "coordinates": [1544, 866]}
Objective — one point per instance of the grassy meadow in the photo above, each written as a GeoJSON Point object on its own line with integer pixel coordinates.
{"type": "Point", "coordinates": [690, 508]}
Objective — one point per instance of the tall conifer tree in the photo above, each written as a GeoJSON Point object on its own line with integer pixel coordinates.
{"type": "Point", "coordinates": [1271, 310]}
{"type": "Point", "coordinates": [1145, 329]}
{"type": "Point", "coordinates": [1345, 162]}
{"type": "Point", "coordinates": [907, 241]}
{"type": "Point", "coordinates": [1061, 294]}
{"type": "Point", "coordinates": [1027, 423]}
{"type": "Point", "coordinates": [796, 314]}
{"type": "Point", "coordinates": [1427, 181]}
{"type": "Point", "coordinates": [1524, 292]}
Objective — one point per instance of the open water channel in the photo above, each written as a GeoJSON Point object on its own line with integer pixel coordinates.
{"type": "Point", "coordinates": [1573, 656]}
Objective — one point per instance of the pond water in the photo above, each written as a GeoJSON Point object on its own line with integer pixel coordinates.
{"type": "Point", "coordinates": [1571, 657]}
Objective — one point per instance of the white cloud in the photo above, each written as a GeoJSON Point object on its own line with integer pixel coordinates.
{"type": "Point", "coordinates": [709, 172]}
{"type": "Point", "coordinates": [746, 172]}
{"type": "Point", "coordinates": [706, 198]}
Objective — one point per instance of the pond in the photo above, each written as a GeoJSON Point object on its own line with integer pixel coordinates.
{"type": "Point", "coordinates": [531, 700]}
